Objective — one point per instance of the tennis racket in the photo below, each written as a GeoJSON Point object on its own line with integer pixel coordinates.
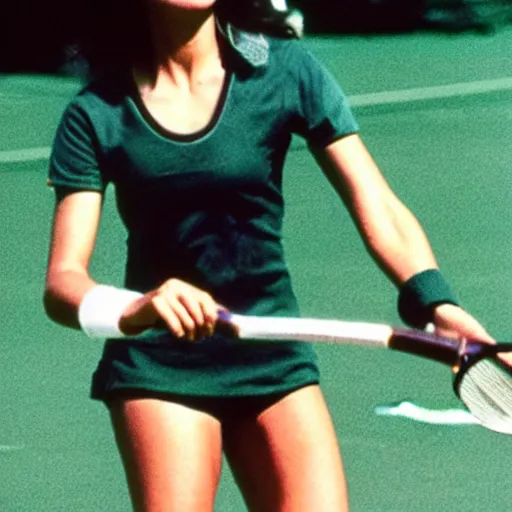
{"type": "Point", "coordinates": [482, 378]}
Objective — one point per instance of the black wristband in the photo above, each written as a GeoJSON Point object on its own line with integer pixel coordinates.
{"type": "Point", "coordinates": [420, 294]}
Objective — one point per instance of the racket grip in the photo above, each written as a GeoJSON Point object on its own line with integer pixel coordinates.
{"type": "Point", "coordinates": [419, 343]}
{"type": "Point", "coordinates": [225, 324]}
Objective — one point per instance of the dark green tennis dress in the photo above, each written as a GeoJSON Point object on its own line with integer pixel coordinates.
{"type": "Point", "coordinates": [206, 208]}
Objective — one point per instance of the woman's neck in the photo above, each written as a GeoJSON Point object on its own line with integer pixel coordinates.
{"type": "Point", "coordinates": [184, 41]}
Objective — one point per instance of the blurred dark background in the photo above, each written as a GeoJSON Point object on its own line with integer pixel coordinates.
{"type": "Point", "coordinates": [368, 16]}
{"type": "Point", "coordinates": [33, 34]}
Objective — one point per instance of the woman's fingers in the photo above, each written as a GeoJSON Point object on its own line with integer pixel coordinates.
{"type": "Point", "coordinates": [453, 322]}
{"type": "Point", "coordinates": [210, 310]}
{"type": "Point", "coordinates": [168, 315]}
{"type": "Point", "coordinates": [189, 308]}
{"type": "Point", "coordinates": [189, 312]}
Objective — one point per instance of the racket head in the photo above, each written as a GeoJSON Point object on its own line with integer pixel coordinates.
{"type": "Point", "coordinates": [484, 384]}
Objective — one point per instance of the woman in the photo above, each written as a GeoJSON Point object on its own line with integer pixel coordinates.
{"type": "Point", "coordinates": [191, 120]}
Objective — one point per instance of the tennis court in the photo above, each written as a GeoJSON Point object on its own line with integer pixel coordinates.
{"type": "Point", "coordinates": [441, 128]}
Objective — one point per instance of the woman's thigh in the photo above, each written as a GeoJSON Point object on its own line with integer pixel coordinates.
{"type": "Point", "coordinates": [171, 453]}
{"type": "Point", "coordinates": [287, 459]}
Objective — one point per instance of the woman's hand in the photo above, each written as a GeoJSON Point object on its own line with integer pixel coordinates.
{"type": "Point", "coordinates": [453, 322]}
{"type": "Point", "coordinates": [187, 311]}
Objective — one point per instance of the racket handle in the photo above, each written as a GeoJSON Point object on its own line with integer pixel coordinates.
{"type": "Point", "coordinates": [225, 324]}
{"type": "Point", "coordinates": [442, 350]}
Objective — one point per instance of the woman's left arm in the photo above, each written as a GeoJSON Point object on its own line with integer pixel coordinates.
{"type": "Point", "coordinates": [391, 233]}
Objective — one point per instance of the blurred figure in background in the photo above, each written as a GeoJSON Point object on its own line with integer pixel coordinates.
{"type": "Point", "coordinates": [369, 16]}
{"type": "Point", "coordinates": [453, 16]}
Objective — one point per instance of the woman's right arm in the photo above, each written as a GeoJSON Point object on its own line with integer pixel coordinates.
{"type": "Point", "coordinates": [75, 226]}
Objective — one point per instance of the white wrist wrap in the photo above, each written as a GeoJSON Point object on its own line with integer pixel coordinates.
{"type": "Point", "coordinates": [101, 309]}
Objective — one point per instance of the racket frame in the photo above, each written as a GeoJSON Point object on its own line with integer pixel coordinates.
{"type": "Point", "coordinates": [476, 351]}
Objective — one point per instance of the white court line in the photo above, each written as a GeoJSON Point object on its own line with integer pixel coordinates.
{"type": "Point", "coordinates": [358, 100]}
{"type": "Point", "coordinates": [24, 155]}
{"type": "Point", "coordinates": [4, 448]}
{"type": "Point", "coordinates": [431, 93]}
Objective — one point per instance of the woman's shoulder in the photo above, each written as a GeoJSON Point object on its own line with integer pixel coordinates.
{"type": "Point", "coordinates": [285, 47]}
{"type": "Point", "coordinates": [290, 54]}
{"type": "Point", "coordinates": [101, 94]}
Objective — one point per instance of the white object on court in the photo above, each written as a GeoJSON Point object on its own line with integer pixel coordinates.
{"type": "Point", "coordinates": [423, 415]}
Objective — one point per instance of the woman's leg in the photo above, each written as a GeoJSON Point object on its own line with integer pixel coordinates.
{"type": "Point", "coordinates": [287, 459]}
{"type": "Point", "coordinates": [171, 454]}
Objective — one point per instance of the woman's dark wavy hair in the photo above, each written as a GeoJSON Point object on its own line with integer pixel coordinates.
{"type": "Point", "coordinates": [111, 34]}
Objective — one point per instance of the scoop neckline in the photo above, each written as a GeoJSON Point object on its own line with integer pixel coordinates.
{"type": "Point", "coordinates": [176, 136]}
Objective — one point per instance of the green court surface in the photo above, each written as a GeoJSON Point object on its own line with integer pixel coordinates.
{"type": "Point", "coordinates": [446, 150]}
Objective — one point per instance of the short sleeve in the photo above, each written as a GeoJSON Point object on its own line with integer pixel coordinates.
{"type": "Point", "coordinates": [322, 112]}
{"type": "Point", "coordinates": [74, 162]}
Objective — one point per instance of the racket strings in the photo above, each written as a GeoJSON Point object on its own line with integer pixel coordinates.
{"type": "Point", "coordinates": [486, 389]}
